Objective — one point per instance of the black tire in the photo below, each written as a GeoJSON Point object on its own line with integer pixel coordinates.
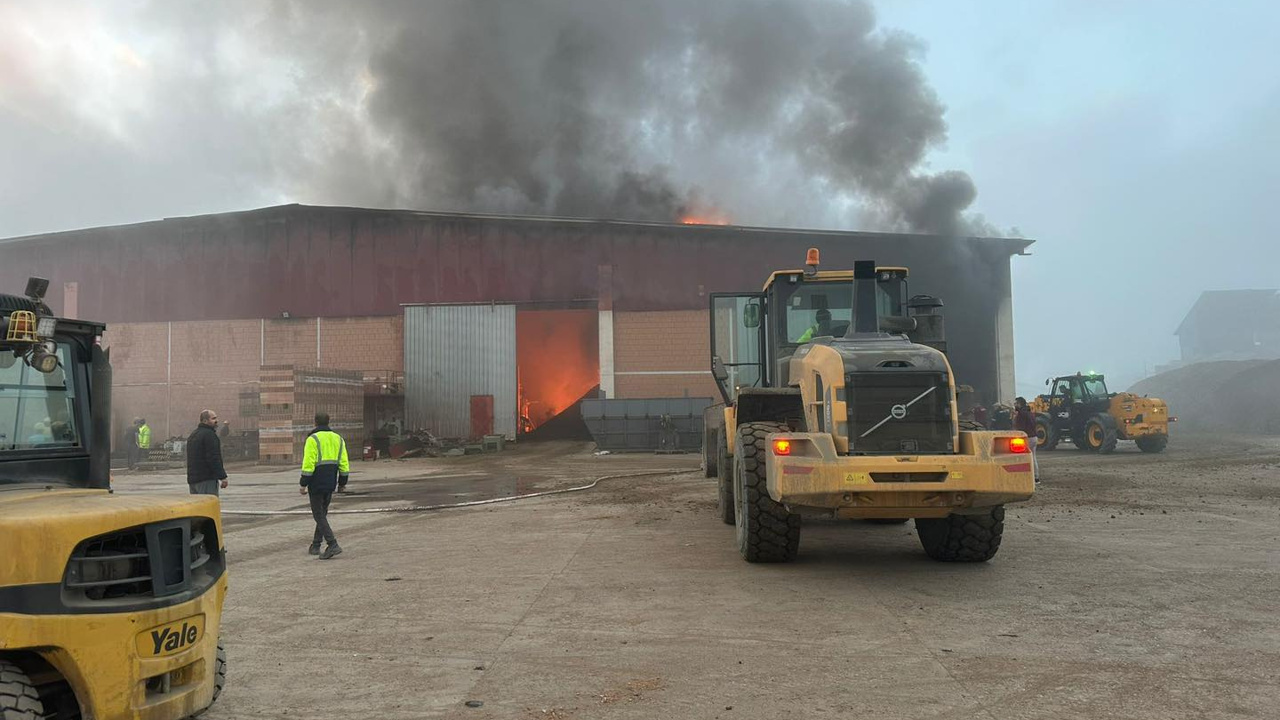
{"type": "Point", "coordinates": [1153, 443]}
{"type": "Point", "coordinates": [19, 699]}
{"type": "Point", "coordinates": [766, 531]}
{"type": "Point", "coordinates": [219, 673]}
{"type": "Point", "coordinates": [724, 479]}
{"type": "Point", "coordinates": [1100, 434]}
{"type": "Point", "coordinates": [709, 448]}
{"type": "Point", "coordinates": [962, 538]}
{"type": "Point", "coordinates": [1046, 436]}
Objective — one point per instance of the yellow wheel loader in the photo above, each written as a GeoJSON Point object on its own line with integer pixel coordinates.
{"type": "Point", "coordinates": [1079, 408]}
{"type": "Point", "coordinates": [110, 605]}
{"type": "Point", "coordinates": [840, 401]}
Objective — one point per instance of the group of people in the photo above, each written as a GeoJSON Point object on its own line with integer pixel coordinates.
{"type": "Point", "coordinates": [325, 470]}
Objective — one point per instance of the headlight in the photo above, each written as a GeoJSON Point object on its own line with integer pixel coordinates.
{"type": "Point", "coordinates": [46, 326]}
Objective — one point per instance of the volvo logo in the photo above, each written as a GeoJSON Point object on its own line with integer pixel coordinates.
{"type": "Point", "coordinates": [898, 411]}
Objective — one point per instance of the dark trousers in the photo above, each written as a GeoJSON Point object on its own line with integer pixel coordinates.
{"type": "Point", "coordinates": [133, 454]}
{"type": "Point", "coordinates": [320, 511]}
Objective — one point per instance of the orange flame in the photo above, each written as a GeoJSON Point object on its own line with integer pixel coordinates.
{"type": "Point", "coordinates": [711, 218]}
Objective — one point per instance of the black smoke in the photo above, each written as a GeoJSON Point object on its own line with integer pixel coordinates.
{"type": "Point", "coordinates": [797, 112]}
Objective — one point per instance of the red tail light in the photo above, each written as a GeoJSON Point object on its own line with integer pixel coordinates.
{"type": "Point", "coordinates": [781, 447]}
{"type": "Point", "coordinates": [1018, 446]}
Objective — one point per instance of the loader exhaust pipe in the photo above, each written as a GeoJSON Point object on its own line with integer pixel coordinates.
{"type": "Point", "coordinates": [866, 314]}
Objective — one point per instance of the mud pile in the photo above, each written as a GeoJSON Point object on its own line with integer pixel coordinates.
{"type": "Point", "coordinates": [1240, 396]}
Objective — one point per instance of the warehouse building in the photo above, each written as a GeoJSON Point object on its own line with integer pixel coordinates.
{"type": "Point", "coordinates": [459, 324]}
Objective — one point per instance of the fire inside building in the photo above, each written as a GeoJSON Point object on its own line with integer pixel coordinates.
{"type": "Point", "coordinates": [460, 325]}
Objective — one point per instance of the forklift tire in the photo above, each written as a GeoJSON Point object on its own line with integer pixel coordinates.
{"type": "Point", "coordinates": [709, 448]}
{"type": "Point", "coordinates": [962, 538]}
{"type": "Point", "coordinates": [724, 479]}
{"type": "Point", "coordinates": [1100, 434]}
{"type": "Point", "coordinates": [766, 531]}
{"type": "Point", "coordinates": [1046, 436]}
{"type": "Point", "coordinates": [19, 699]}
{"type": "Point", "coordinates": [219, 674]}
{"type": "Point", "coordinates": [1153, 443]}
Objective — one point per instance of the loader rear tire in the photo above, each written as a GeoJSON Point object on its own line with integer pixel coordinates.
{"type": "Point", "coordinates": [766, 531]}
{"type": "Point", "coordinates": [724, 479]}
{"type": "Point", "coordinates": [962, 538]}
{"type": "Point", "coordinates": [1100, 434]}
{"type": "Point", "coordinates": [1153, 443]}
{"type": "Point", "coordinates": [709, 452]}
{"type": "Point", "coordinates": [19, 699]}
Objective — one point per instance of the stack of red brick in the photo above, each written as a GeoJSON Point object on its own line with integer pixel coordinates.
{"type": "Point", "coordinates": [290, 396]}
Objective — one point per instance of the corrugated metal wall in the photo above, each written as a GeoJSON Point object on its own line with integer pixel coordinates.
{"type": "Point", "coordinates": [452, 352]}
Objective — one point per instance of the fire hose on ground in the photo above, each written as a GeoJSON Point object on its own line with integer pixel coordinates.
{"type": "Point", "coordinates": [468, 503]}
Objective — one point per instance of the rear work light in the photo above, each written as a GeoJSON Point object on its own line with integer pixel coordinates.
{"type": "Point", "coordinates": [1018, 445]}
{"type": "Point", "coordinates": [781, 447]}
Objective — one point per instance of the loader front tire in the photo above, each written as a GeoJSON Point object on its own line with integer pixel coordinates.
{"type": "Point", "coordinates": [766, 531]}
{"type": "Point", "coordinates": [19, 699]}
{"type": "Point", "coordinates": [1046, 436]}
{"type": "Point", "coordinates": [962, 538]}
{"type": "Point", "coordinates": [1153, 443]}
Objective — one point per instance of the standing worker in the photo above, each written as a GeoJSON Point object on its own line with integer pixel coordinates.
{"type": "Point", "coordinates": [204, 457]}
{"type": "Point", "coordinates": [131, 444]}
{"type": "Point", "coordinates": [324, 470]}
{"type": "Point", "coordinates": [144, 440]}
{"type": "Point", "coordinates": [1025, 421]}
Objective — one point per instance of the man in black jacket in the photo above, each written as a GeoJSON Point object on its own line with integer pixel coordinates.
{"type": "Point", "coordinates": [204, 457]}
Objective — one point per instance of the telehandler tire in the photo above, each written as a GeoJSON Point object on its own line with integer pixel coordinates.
{"type": "Point", "coordinates": [724, 479]}
{"type": "Point", "coordinates": [19, 699]}
{"type": "Point", "coordinates": [962, 538]}
{"type": "Point", "coordinates": [1100, 434]}
{"type": "Point", "coordinates": [1046, 436]}
{"type": "Point", "coordinates": [1152, 443]}
{"type": "Point", "coordinates": [766, 531]}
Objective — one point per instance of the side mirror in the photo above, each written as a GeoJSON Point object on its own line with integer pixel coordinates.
{"type": "Point", "coordinates": [1047, 381]}
{"type": "Point", "coordinates": [751, 316]}
{"type": "Point", "coordinates": [718, 370]}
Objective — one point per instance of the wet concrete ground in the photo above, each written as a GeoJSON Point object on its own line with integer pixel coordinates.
{"type": "Point", "coordinates": [1132, 586]}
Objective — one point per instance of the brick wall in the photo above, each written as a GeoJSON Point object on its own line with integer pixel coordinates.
{"type": "Point", "coordinates": [214, 363]}
{"type": "Point", "coordinates": [662, 354]}
{"type": "Point", "coordinates": [363, 343]}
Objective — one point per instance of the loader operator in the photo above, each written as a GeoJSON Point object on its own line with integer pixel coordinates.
{"type": "Point", "coordinates": [820, 328]}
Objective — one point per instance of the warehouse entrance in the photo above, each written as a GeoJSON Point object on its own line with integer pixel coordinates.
{"type": "Point", "coordinates": [557, 364]}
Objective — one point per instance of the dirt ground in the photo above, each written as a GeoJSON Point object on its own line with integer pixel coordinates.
{"type": "Point", "coordinates": [1131, 586]}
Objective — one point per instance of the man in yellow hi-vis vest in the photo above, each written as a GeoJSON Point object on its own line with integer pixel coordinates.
{"type": "Point", "coordinates": [144, 438]}
{"type": "Point", "coordinates": [324, 470]}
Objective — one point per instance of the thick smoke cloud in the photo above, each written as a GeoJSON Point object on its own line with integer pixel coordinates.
{"type": "Point", "coordinates": [799, 112]}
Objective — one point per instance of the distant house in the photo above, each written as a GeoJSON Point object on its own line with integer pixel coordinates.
{"type": "Point", "coordinates": [1231, 325]}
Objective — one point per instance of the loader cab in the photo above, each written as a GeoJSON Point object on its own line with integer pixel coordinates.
{"type": "Point", "coordinates": [754, 335]}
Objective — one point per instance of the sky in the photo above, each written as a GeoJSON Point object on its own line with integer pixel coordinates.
{"type": "Point", "coordinates": [1138, 143]}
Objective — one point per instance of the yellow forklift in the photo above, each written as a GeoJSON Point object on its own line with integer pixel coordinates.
{"type": "Point", "coordinates": [840, 401]}
{"type": "Point", "coordinates": [110, 605]}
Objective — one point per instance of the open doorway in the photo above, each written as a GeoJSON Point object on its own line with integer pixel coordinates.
{"type": "Point", "coordinates": [557, 364]}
